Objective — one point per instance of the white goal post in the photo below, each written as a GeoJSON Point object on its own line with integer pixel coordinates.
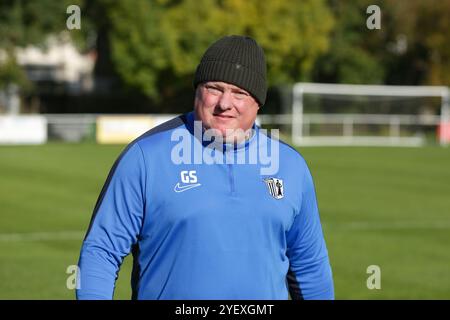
{"type": "Point", "coordinates": [300, 120]}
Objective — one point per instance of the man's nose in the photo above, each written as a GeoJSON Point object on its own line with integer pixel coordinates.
{"type": "Point", "coordinates": [225, 101]}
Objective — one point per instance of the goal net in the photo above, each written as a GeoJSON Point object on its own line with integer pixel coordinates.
{"type": "Point", "coordinates": [341, 114]}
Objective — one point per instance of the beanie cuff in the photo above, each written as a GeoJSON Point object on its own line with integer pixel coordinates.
{"type": "Point", "coordinates": [233, 73]}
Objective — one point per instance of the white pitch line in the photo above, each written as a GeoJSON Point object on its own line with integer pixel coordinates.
{"type": "Point", "coordinates": [42, 236]}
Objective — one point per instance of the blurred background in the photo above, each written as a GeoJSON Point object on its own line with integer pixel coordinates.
{"type": "Point", "coordinates": [359, 87]}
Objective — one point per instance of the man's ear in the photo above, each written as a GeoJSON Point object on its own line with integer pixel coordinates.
{"type": "Point", "coordinates": [197, 88]}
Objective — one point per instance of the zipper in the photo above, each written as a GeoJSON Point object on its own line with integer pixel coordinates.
{"type": "Point", "coordinates": [231, 178]}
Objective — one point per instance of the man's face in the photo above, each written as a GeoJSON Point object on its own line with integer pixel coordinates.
{"type": "Point", "coordinates": [225, 107]}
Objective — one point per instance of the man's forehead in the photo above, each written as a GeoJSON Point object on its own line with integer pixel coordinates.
{"type": "Point", "coordinates": [224, 85]}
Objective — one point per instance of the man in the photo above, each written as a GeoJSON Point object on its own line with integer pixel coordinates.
{"type": "Point", "coordinates": [203, 224]}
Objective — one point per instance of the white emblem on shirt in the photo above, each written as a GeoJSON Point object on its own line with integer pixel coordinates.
{"type": "Point", "coordinates": [275, 186]}
{"type": "Point", "coordinates": [180, 188]}
{"type": "Point", "coordinates": [189, 180]}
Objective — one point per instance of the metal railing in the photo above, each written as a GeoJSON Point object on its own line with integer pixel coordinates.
{"type": "Point", "coordinates": [390, 129]}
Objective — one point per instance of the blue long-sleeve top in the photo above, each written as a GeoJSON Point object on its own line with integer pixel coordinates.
{"type": "Point", "coordinates": [206, 231]}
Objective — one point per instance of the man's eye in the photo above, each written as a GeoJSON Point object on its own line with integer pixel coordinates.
{"type": "Point", "coordinates": [213, 90]}
{"type": "Point", "coordinates": [240, 95]}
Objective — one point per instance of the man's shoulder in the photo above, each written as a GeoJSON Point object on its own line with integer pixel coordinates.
{"type": "Point", "coordinates": [154, 139]}
{"type": "Point", "coordinates": [165, 127]}
{"type": "Point", "coordinates": [293, 157]}
{"type": "Point", "coordinates": [161, 133]}
{"type": "Point", "coordinates": [287, 151]}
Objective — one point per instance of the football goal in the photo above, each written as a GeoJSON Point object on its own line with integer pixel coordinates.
{"type": "Point", "coordinates": [378, 115]}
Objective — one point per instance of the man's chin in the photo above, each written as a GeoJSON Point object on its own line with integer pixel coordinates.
{"type": "Point", "coordinates": [232, 135]}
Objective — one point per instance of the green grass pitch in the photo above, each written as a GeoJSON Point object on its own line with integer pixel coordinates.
{"type": "Point", "coordinates": [388, 207]}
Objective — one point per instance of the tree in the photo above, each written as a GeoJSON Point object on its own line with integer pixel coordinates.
{"type": "Point", "coordinates": [411, 48]}
{"type": "Point", "coordinates": [25, 23]}
{"type": "Point", "coordinates": [354, 52]}
{"type": "Point", "coordinates": [156, 44]}
{"type": "Point", "coordinates": [423, 27]}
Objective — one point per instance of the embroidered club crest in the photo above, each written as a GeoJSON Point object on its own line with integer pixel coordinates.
{"type": "Point", "coordinates": [275, 187]}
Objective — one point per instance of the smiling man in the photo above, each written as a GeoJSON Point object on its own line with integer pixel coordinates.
{"type": "Point", "coordinates": [226, 109]}
{"type": "Point", "coordinates": [210, 230]}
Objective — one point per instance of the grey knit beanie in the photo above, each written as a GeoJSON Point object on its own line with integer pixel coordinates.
{"type": "Point", "coordinates": [238, 60]}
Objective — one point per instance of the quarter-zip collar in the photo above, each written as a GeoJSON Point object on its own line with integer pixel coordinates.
{"type": "Point", "coordinates": [226, 147]}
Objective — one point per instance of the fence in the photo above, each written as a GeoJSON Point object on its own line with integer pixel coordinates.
{"type": "Point", "coordinates": [335, 129]}
{"type": "Point", "coordinates": [355, 129]}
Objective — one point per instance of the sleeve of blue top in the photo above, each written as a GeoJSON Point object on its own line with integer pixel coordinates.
{"type": "Point", "coordinates": [310, 275]}
{"type": "Point", "coordinates": [114, 227]}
